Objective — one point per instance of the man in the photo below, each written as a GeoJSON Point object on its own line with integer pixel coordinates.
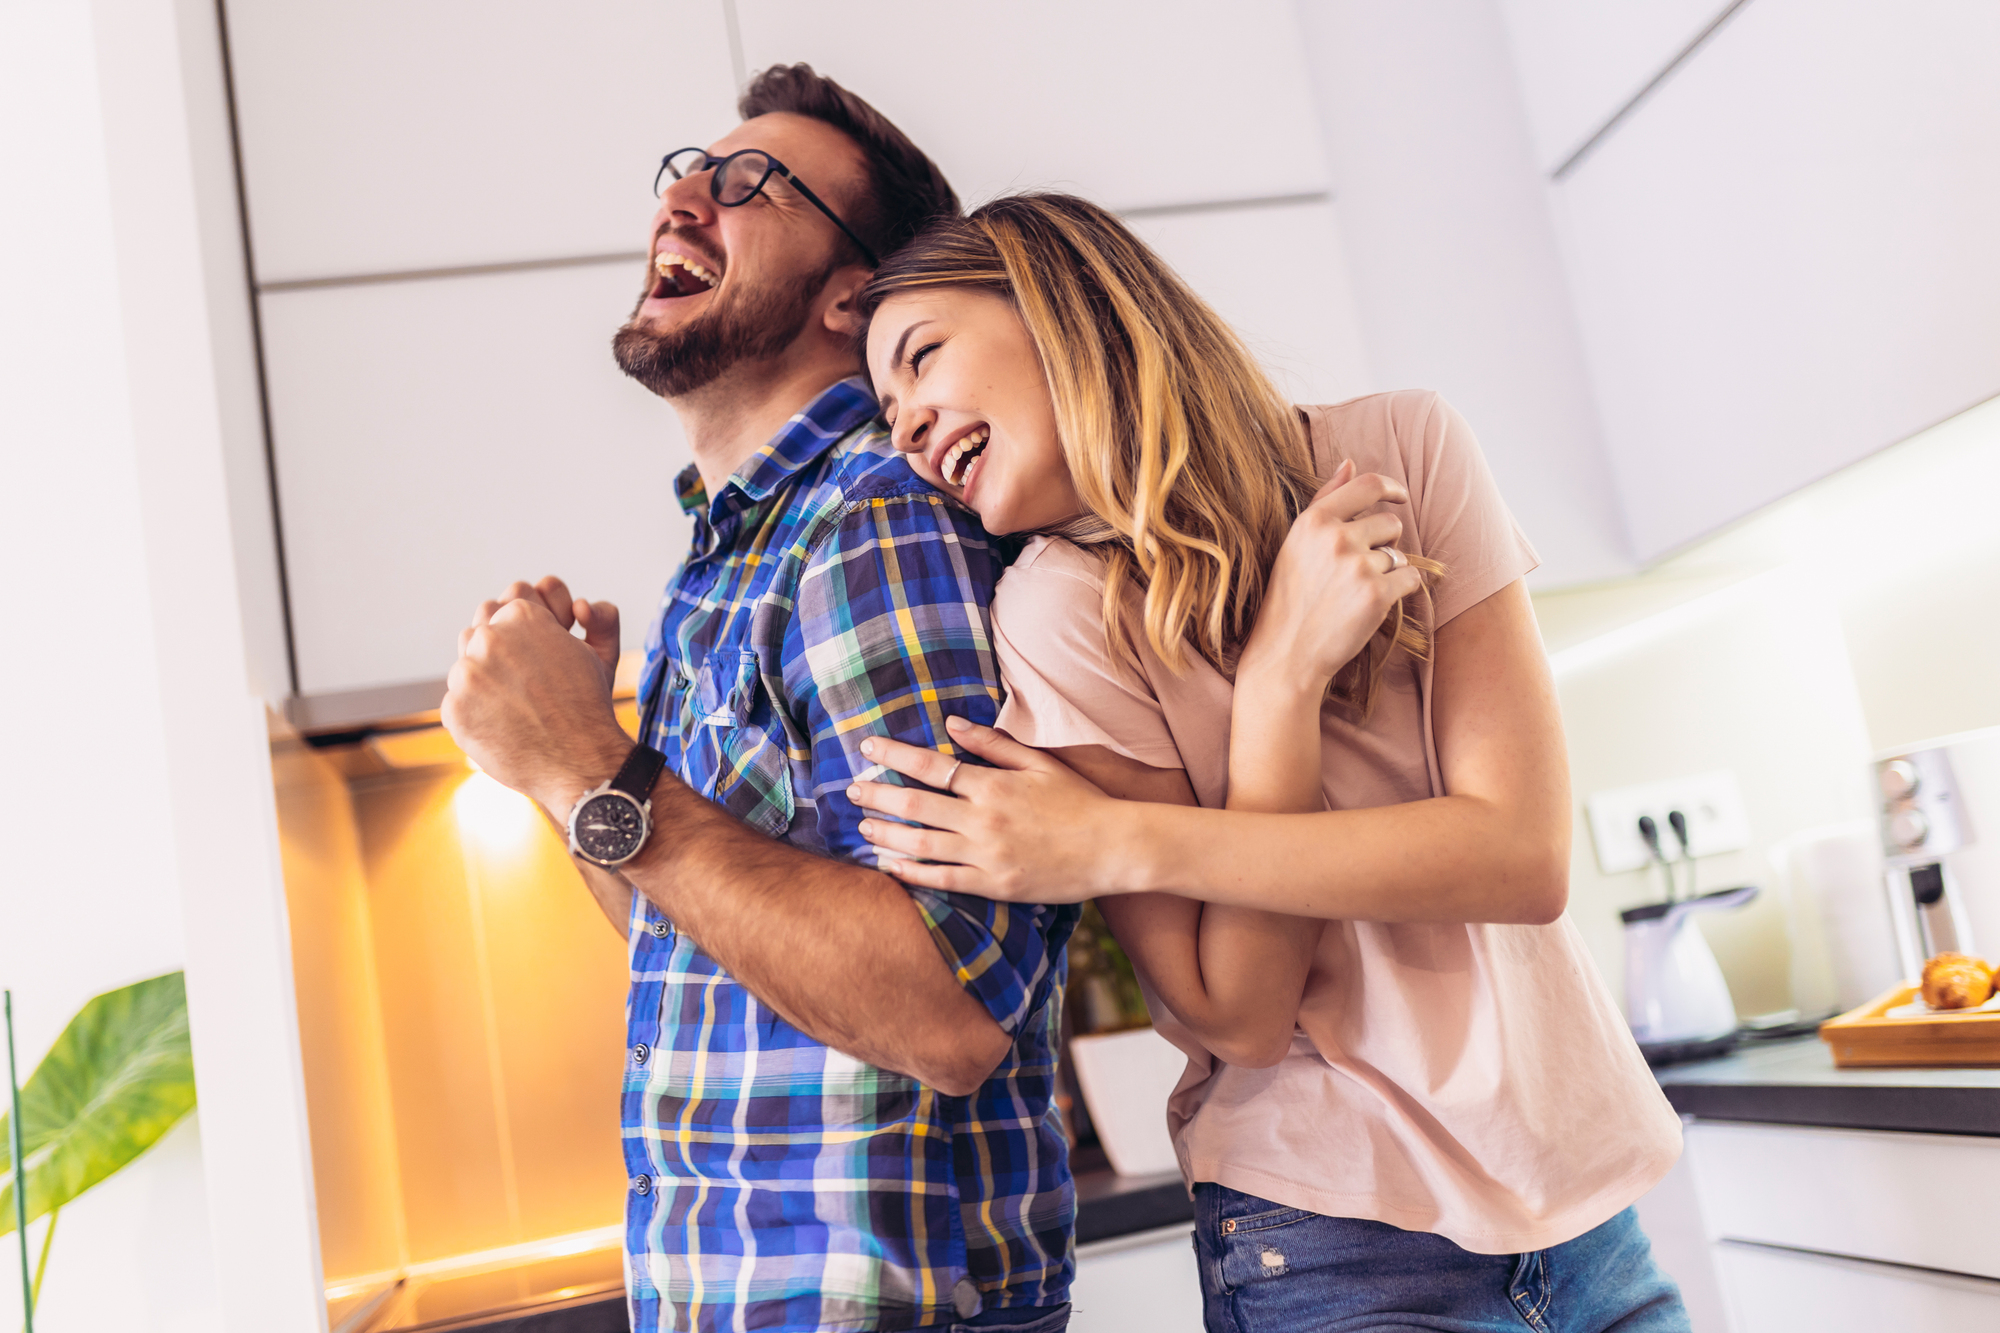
{"type": "Point", "coordinates": [837, 1101]}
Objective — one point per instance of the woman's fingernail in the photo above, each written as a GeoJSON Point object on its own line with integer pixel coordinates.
{"type": "Point", "coordinates": [868, 747]}
{"type": "Point", "coordinates": [854, 793]}
{"type": "Point", "coordinates": [957, 723]}
{"type": "Point", "coordinates": [867, 829]}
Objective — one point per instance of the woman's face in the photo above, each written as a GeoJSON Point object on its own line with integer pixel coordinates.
{"type": "Point", "coordinates": [964, 395]}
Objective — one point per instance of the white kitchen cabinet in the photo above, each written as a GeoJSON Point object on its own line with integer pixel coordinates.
{"type": "Point", "coordinates": [436, 439]}
{"type": "Point", "coordinates": [1148, 1281]}
{"type": "Point", "coordinates": [1866, 1194]}
{"type": "Point", "coordinates": [1783, 260]}
{"type": "Point", "coordinates": [1457, 274]}
{"type": "Point", "coordinates": [1278, 275]}
{"type": "Point", "coordinates": [1783, 1291]}
{"type": "Point", "coordinates": [1129, 102]}
{"type": "Point", "coordinates": [389, 136]}
{"type": "Point", "coordinates": [1582, 60]}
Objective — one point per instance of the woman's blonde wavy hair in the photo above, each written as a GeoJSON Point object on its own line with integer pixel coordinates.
{"type": "Point", "coordinates": [1190, 462]}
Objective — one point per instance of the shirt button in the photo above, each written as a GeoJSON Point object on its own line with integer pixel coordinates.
{"type": "Point", "coordinates": [639, 1053]}
{"type": "Point", "coordinates": [661, 929]}
{"type": "Point", "coordinates": [642, 1184]}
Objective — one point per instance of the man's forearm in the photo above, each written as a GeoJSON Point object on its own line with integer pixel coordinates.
{"type": "Point", "coordinates": [838, 950]}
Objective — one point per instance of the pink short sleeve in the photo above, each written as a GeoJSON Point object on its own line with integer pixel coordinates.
{"type": "Point", "coordinates": [1064, 684]}
{"type": "Point", "coordinates": [1461, 520]}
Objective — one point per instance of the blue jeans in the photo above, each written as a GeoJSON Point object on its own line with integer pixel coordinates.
{"type": "Point", "coordinates": [1266, 1268]}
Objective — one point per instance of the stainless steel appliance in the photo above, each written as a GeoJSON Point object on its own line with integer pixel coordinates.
{"type": "Point", "coordinates": [1923, 822]}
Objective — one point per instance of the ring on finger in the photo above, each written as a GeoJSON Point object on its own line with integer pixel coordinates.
{"type": "Point", "coordinates": [956, 765]}
{"type": "Point", "coordinates": [1396, 558]}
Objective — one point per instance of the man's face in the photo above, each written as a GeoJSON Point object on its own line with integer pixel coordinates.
{"type": "Point", "coordinates": [753, 274]}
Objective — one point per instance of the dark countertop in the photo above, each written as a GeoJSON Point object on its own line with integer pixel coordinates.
{"type": "Point", "coordinates": [1793, 1082]}
{"type": "Point", "coordinates": [1109, 1205]}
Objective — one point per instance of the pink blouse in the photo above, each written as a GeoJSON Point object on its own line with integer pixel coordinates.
{"type": "Point", "coordinates": [1472, 1080]}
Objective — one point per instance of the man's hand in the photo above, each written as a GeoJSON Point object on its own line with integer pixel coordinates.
{"type": "Point", "coordinates": [529, 703]}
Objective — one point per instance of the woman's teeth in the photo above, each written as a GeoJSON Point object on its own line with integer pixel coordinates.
{"type": "Point", "coordinates": [667, 260]}
{"type": "Point", "coordinates": [957, 460]}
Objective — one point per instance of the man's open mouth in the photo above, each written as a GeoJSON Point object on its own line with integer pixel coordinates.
{"type": "Point", "coordinates": [680, 276]}
{"type": "Point", "coordinates": [957, 460]}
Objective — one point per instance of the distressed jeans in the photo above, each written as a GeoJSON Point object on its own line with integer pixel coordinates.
{"type": "Point", "coordinates": [1266, 1268]}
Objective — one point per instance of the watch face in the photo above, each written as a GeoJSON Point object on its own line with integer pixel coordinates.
{"type": "Point", "coordinates": [610, 827]}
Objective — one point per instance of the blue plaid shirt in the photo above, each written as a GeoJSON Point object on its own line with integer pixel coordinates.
{"type": "Point", "coordinates": [831, 595]}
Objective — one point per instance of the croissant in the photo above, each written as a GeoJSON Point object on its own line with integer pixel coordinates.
{"type": "Point", "coordinates": [1954, 981]}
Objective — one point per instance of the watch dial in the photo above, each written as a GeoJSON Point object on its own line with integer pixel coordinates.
{"type": "Point", "coordinates": [609, 827]}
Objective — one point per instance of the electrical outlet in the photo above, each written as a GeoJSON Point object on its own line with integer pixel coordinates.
{"type": "Point", "coordinates": [1712, 802]}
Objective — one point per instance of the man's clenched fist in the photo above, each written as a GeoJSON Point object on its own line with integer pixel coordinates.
{"type": "Point", "coordinates": [531, 704]}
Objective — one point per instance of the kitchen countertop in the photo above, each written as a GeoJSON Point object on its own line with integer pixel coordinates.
{"type": "Point", "coordinates": [1793, 1082]}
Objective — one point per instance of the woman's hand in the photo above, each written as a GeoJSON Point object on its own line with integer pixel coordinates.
{"type": "Point", "coordinates": [1331, 586]}
{"type": "Point", "coordinates": [1029, 829]}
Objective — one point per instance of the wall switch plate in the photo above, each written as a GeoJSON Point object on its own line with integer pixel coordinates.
{"type": "Point", "coordinates": [1712, 802]}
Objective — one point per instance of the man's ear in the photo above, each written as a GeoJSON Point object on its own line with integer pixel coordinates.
{"type": "Point", "coordinates": [841, 301]}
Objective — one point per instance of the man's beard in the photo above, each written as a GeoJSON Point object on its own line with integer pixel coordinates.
{"type": "Point", "coordinates": [745, 324]}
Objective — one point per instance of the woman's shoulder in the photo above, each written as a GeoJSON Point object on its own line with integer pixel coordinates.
{"type": "Point", "coordinates": [1048, 611]}
{"type": "Point", "coordinates": [1050, 574]}
{"type": "Point", "coordinates": [1391, 433]}
{"type": "Point", "coordinates": [1060, 557]}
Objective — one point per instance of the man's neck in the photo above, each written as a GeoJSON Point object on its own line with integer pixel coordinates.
{"type": "Point", "coordinates": [735, 415]}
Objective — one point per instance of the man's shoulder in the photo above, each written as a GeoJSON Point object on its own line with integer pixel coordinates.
{"type": "Point", "coordinates": [865, 466]}
{"type": "Point", "coordinates": [865, 472]}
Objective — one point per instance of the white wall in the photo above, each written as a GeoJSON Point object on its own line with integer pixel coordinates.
{"type": "Point", "coordinates": [1854, 618]}
{"type": "Point", "coordinates": [136, 811]}
{"type": "Point", "coordinates": [92, 896]}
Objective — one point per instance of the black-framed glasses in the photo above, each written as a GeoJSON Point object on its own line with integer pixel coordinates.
{"type": "Point", "coordinates": [740, 177]}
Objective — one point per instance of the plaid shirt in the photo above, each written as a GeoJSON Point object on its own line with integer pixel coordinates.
{"type": "Point", "coordinates": [831, 595]}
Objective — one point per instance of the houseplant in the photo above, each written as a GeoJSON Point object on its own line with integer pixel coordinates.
{"type": "Point", "coordinates": [118, 1078]}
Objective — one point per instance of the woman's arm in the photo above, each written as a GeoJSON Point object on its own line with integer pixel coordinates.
{"type": "Point", "coordinates": [1496, 848]}
{"type": "Point", "coordinates": [1233, 975]}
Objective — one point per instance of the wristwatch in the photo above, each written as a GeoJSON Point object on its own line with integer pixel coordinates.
{"type": "Point", "coordinates": [609, 824]}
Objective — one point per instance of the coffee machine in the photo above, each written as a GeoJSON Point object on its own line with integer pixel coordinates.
{"type": "Point", "coordinates": [1923, 821]}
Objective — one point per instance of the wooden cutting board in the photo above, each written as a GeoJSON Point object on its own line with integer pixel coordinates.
{"type": "Point", "coordinates": [1863, 1038]}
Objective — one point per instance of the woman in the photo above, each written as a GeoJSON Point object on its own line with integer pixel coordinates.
{"type": "Point", "coordinates": [1340, 857]}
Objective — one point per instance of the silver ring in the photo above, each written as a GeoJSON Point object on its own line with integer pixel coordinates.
{"type": "Point", "coordinates": [1396, 558]}
{"type": "Point", "coordinates": [956, 765]}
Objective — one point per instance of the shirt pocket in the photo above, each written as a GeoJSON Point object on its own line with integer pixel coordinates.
{"type": "Point", "coordinates": [749, 773]}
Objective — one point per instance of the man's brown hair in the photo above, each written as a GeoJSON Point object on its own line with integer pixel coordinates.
{"type": "Point", "coordinates": [904, 189]}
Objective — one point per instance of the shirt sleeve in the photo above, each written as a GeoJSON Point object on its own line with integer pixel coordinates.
{"type": "Point", "coordinates": [889, 638]}
{"type": "Point", "coordinates": [1461, 519]}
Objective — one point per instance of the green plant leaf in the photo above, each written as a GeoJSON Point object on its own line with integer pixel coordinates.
{"type": "Point", "coordinates": [120, 1076]}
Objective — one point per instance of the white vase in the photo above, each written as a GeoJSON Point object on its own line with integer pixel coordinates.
{"type": "Point", "coordinates": [1126, 1078]}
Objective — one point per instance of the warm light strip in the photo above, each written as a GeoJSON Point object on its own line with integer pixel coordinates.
{"type": "Point", "coordinates": [553, 1247]}
{"type": "Point", "coordinates": [577, 1242]}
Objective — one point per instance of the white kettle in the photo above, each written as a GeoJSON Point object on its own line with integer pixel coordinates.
{"type": "Point", "coordinates": [1675, 998]}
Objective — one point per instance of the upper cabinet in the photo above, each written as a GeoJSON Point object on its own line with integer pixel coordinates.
{"type": "Point", "coordinates": [437, 439]}
{"type": "Point", "coordinates": [1582, 61]}
{"type": "Point", "coordinates": [383, 136]}
{"type": "Point", "coordinates": [448, 205]}
{"type": "Point", "coordinates": [1785, 258]}
{"type": "Point", "coordinates": [1134, 103]}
